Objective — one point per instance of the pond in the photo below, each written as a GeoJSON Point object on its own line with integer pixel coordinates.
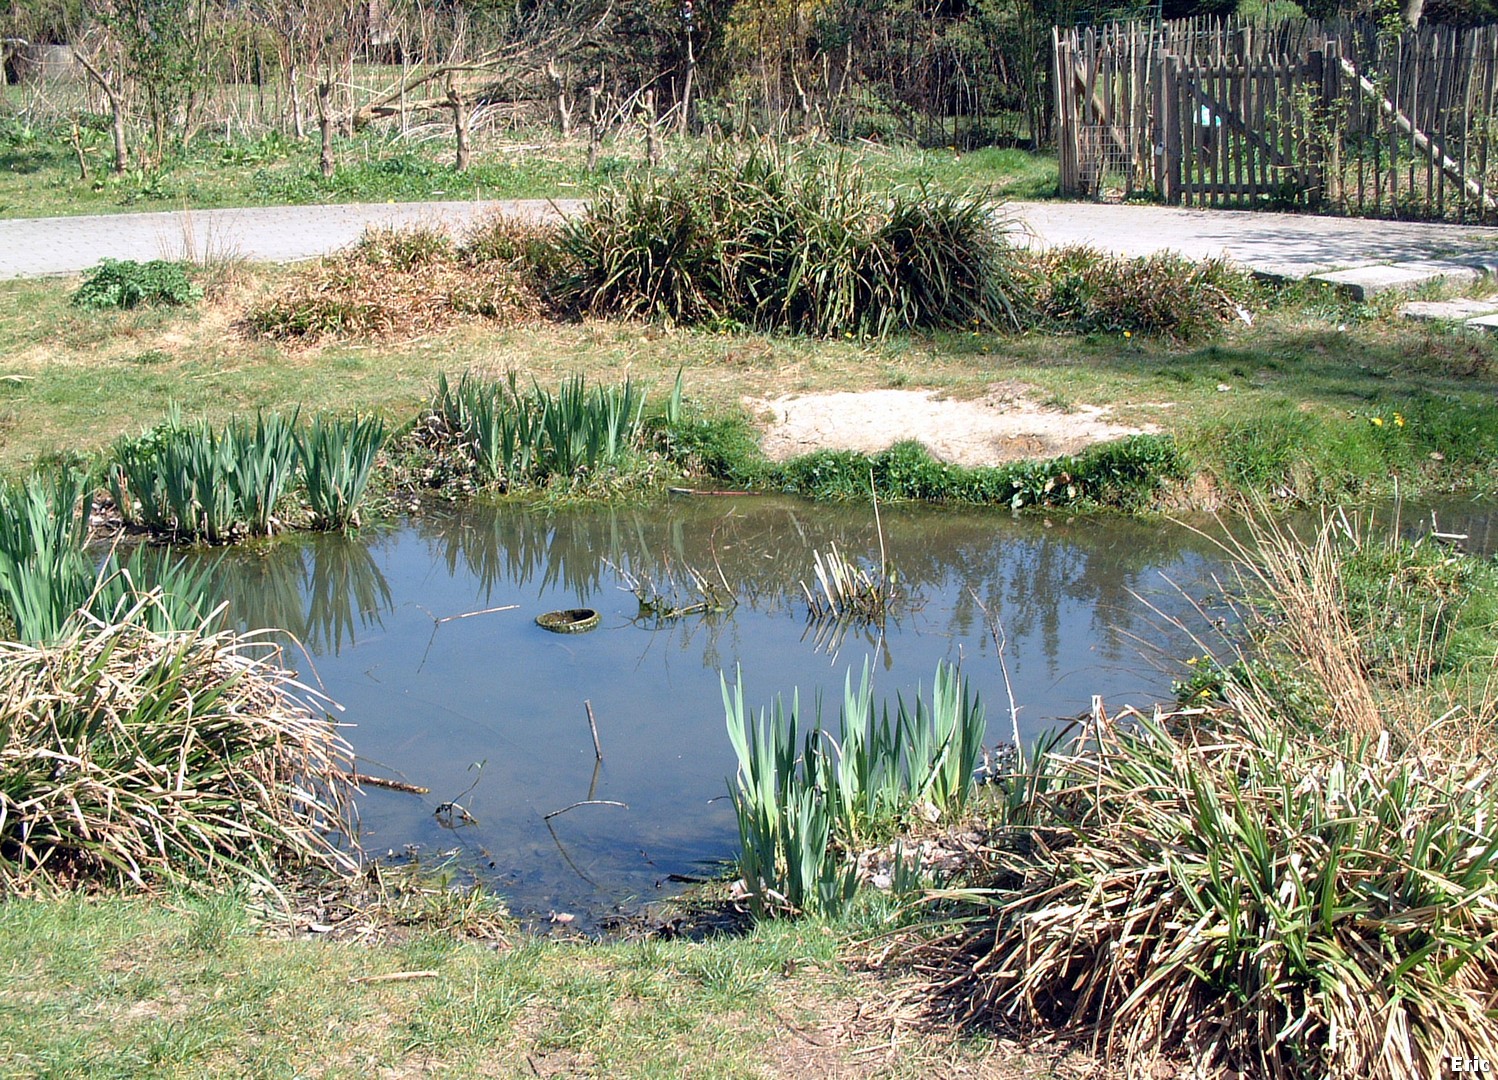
{"type": "Point", "coordinates": [487, 710]}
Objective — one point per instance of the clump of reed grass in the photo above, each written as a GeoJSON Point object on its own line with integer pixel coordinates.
{"type": "Point", "coordinates": [403, 283]}
{"type": "Point", "coordinates": [203, 760]}
{"type": "Point", "coordinates": [807, 799]}
{"type": "Point", "coordinates": [48, 580]}
{"type": "Point", "coordinates": [848, 590]}
{"type": "Point", "coordinates": [1262, 901]}
{"type": "Point", "coordinates": [265, 462]}
{"type": "Point", "coordinates": [193, 481]}
{"type": "Point", "coordinates": [337, 457]}
{"type": "Point", "coordinates": [45, 574]}
{"type": "Point", "coordinates": [512, 436]}
{"type": "Point", "coordinates": [777, 241]}
{"type": "Point", "coordinates": [1298, 879]}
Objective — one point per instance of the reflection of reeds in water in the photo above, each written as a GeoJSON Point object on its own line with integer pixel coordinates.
{"type": "Point", "coordinates": [345, 589]}
{"type": "Point", "coordinates": [321, 592]}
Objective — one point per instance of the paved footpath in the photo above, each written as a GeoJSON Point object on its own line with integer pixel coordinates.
{"type": "Point", "coordinates": [1381, 253]}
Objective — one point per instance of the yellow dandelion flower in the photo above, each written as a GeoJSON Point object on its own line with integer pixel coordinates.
{"type": "Point", "coordinates": [1398, 420]}
{"type": "Point", "coordinates": [1376, 421]}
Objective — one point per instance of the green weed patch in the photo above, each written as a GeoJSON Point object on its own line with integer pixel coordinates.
{"type": "Point", "coordinates": [124, 283]}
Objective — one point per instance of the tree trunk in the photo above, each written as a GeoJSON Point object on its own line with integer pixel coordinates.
{"type": "Point", "coordinates": [686, 89]}
{"type": "Point", "coordinates": [78, 150]}
{"type": "Point", "coordinates": [652, 138]}
{"type": "Point", "coordinates": [325, 126]}
{"type": "Point", "coordinates": [294, 81]}
{"type": "Point", "coordinates": [459, 106]}
{"type": "Point", "coordinates": [595, 131]}
{"type": "Point", "coordinates": [1413, 9]}
{"type": "Point", "coordinates": [564, 107]}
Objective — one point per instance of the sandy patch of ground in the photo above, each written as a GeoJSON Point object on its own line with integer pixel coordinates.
{"type": "Point", "coordinates": [1004, 425]}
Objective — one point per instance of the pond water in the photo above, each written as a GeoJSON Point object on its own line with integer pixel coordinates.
{"type": "Point", "coordinates": [487, 711]}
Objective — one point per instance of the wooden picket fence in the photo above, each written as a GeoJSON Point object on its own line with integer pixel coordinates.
{"type": "Point", "coordinates": [1332, 117]}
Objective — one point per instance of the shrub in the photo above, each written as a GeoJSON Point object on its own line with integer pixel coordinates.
{"type": "Point", "coordinates": [203, 760]}
{"type": "Point", "coordinates": [117, 283]}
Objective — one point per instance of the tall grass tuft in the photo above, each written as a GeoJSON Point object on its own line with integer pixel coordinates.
{"type": "Point", "coordinates": [265, 464]}
{"type": "Point", "coordinates": [1260, 900]}
{"type": "Point", "coordinates": [845, 590]}
{"type": "Point", "coordinates": [808, 798]}
{"type": "Point", "coordinates": [203, 759]}
{"type": "Point", "coordinates": [337, 457]}
{"type": "Point", "coordinates": [45, 574]}
{"type": "Point", "coordinates": [516, 436]}
{"type": "Point", "coordinates": [778, 241]}
{"type": "Point", "coordinates": [195, 482]}
{"type": "Point", "coordinates": [48, 580]}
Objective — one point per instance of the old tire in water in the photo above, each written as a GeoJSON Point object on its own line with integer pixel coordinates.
{"type": "Point", "coordinates": [570, 621]}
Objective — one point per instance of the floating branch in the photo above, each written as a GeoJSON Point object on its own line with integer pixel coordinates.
{"type": "Point", "coordinates": [585, 802]}
{"type": "Point", "coordinates": [365, 780]}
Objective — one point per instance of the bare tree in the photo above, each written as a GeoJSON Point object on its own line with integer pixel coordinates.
{"type": "Point", "coordinates": [110, 79]}
{"type": "Point", "coordinates": [459, 105]}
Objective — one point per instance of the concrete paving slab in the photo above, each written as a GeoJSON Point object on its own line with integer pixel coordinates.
{"type": "Point", "coordinates": [37, 246]}
{"type": "Point", "coordinates": [1448, 310]}
{"type": "Point", "coordinates": [1365, 281]}
{"type": "Point", "coordinates": [1488, 323]}
{"type": "Point", "coordinates": [1279, 245]}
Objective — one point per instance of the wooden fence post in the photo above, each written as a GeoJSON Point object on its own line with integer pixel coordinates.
{"type": "Point", "coordinates": [1313, 79]}
{"type": "Point", "coordinates": [1333, 119]}
{"type": "Point", "coordinates": [1166, 137]}
{"type": "Point", "coordinates": [1066, 128]}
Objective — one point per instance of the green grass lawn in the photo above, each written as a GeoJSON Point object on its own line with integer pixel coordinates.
{"type": "Point", "coordinates": [177, 986]}
{"type": "Point", "coordinates": [1318, 399]}
{"type": "Point", "coordinates": [39, 171]}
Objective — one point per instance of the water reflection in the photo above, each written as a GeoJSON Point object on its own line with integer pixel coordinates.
{"type": "Point", "coordinates": [325, 589]}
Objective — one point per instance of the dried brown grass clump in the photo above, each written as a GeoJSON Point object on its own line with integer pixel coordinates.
{"type": "Point", "coordinates": [1084, 290]}
{"type": "Point", "coordinates": [405, 283]}
{"type": "Point", "coordinates": [1221, 888]}
{"type": "Point", "coordinates": [128, 755]}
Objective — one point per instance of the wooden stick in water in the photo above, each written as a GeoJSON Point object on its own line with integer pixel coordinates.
{"type": "Point", "coordinates": [593, 727]}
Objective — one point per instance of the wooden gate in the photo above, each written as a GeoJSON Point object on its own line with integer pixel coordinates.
{"type": "Point", "coordinates": [1300, 115]}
